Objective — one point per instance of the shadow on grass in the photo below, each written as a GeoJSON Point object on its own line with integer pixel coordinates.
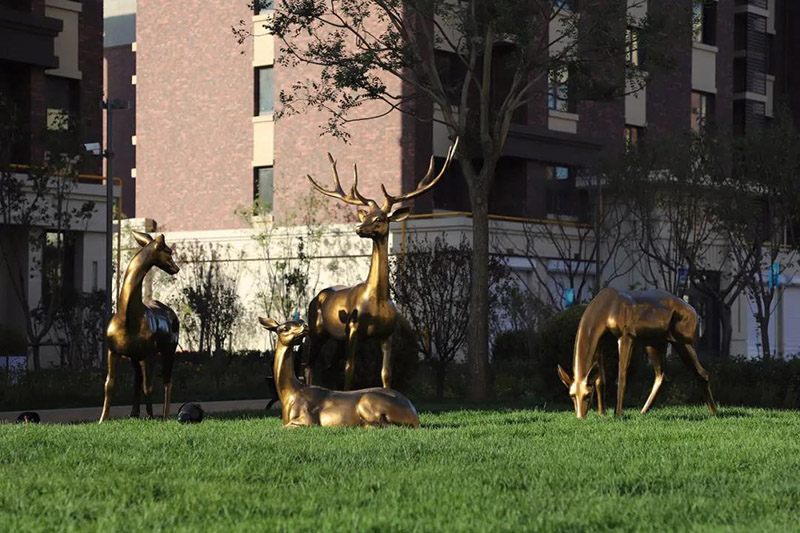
{"type": "Point", "coordinates": [245, 415]}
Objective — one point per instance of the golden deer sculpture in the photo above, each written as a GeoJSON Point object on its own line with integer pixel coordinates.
{"type": "Point", "coordinates": [351, 314]}
{"type": "Point", "coordinates": [653, 318]}
{"type": "Point", "coordinates": [306, 405]}
{"type": "Point", "coordinates": [143, 331]}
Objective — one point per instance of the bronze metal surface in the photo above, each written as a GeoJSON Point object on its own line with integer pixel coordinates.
{"type": "Point", "coordinates": [143, 331]}
{"type": "Point", "coordinates": [653, 318]}
{"type": "Point", "coordinates": [351, 314]}
{"type": "Point", "coordinates": [307, 405]}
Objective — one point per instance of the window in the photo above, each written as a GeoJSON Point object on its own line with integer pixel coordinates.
{"type": "Point", "coordinates": [557, 173]}
{"type": "Point", "coordinates": [704, 18]}
{"type": "Point", "coordinates": [560, 191]}
{"type": "Point", "coordinates": [265, 85]}
{"type": "Point", "coordinates": [63, 102]}
{"type": "Point", "coordinates": [558, 91]}
{"type": "Point", "coordinates": [452, 72]}
{"type": "Point", "coordinates": [632, 46]}
{"type": "Point", "coordinates": [701, 103]}
{"type": "Point", "coordinates": [262, 6]}
{"type": "Point", "coordinates": [262, 188]}
{"type": "Point", "coordinates": [58, 265]}
{"type": "Point", "coordinates": [564, 4]}
{"type": "Point", "coordinates": [633, 136]}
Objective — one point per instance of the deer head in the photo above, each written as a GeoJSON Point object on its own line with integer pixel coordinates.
{"type": "Point", "coordinates": [290, 333]}
{"type": "Point", "coordinates": [580, 391]}
{"type": "Point", "coordinates": [374, 220]}
{"type": "Point", "coordinates": [156, 252]}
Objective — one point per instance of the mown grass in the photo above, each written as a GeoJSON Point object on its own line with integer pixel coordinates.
{"type": "Point", "coordinates": [503, 470]}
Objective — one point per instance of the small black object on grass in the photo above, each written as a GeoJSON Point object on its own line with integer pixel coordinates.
{"type": "Point", "coordinates": [29, 417]}
{"type": "Point", "coordinates": [190, 413]}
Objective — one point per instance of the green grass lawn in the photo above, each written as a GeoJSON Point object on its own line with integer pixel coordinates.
{"type": "Point", "coordinates": [500, 470]}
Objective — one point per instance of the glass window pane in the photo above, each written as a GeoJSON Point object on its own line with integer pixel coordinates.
{"type": "Point", "coordinates": [266, 102]}
{"type": "Point", "coordinates": [261, 6]}
{"type": "Point", "coordinates": [697, 21]}
{"type": "Point", "coordinates": [264, 182]}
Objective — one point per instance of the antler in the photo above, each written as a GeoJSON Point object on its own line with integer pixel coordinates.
{"type": "Point", "coordinates": [354, 198]}
{"type": "Point", "coordinates": [424, 184]}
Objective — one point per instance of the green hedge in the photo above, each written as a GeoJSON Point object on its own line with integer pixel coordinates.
{"type": "Point", "coordinates": [525, 367]}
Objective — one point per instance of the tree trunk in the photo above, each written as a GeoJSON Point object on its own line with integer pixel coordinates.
{"type": "Point", "coordinates": [439, 374]}
{"type": "Point", "coordinates": [478, 341]}
{"type": "Point", "coordinates": [35, 349]}
{"type": "Point", "coordinates": [727, 330]}
{"type": "Point", "coordinates": [763, 325]}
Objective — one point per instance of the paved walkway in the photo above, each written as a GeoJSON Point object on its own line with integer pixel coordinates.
{"type": "Point", "coordinates": [92, 414]}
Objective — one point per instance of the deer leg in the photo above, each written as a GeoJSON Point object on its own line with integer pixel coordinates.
{"type": "Point", "coordinates": [315, 343]}
{"type": "Point", "coordinates": [349, 365]}
{"type": "Point", "coordinates": [166, 371]}
{"type": "Point", "coordinates": [625, 345]}
{"type": "Point", "coordinates": [386, 370]}
{"type": "Point", "coordinates": [137, 388]}
{"type": "Point", "coordinates": [657, 357]}
{"type": "Point", "coordinates": [689, 357]}
{"type": "Point", "coordinates": [109, 386]}
{"type": "Point", "coordinates": [147, 386]}
{"type": "Point", "coordinates": [600, 385]}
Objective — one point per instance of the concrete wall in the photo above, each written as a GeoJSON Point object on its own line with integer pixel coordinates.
{"type": "Point", "coordinates": [339, 257]}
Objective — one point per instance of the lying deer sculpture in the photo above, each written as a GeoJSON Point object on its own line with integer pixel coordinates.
{"type": "Point", "coordinates": [652, 318]}
{"type": "Point", "coordinates": [305, 405]}
{"type": "Point", "coordinates": [143, 331]}
{"type": "Point", "coordinates": [351, 314]}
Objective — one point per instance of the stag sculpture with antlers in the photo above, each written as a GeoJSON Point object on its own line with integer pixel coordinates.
{"type": "Point", "coordinates": [351, 314]}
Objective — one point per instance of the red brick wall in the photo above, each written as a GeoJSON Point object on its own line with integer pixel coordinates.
{"type": "Point", "coordinates": [90, 63]}
{"type": "Point", "coordinates": [723, 112]}
{"type": "Point", "coordinates": [120, 64]}
{"type": "Point", "coordinates": [376, 145]}
{"type": "Point", "coordinates": [194, 109]}
{"type": "Point", "coordinates": [669, 94]}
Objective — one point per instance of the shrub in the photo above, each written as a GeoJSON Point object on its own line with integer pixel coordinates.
{"type": "Point", "coordinates": [329, 367]}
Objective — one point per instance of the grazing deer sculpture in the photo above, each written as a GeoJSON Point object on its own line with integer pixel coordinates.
{"type": "Point", "coordinates": [305, 405]}
{"type": "Point", "coordinates": [143, 330]}
{"type": "Point", "coordinates": [351, 314]}
{"type": "Point", "coordinates": [653, 318]}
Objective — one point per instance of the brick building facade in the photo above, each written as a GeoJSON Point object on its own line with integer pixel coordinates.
{"type": "Point", "coordinates": [51, 68]}
{"type": "Point", "coordinates": [208, 145]}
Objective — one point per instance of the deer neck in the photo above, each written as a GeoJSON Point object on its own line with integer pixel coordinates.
{"type": "Point", "coordinates": [130, 306]}
{"type": "Point", "coordinates": [586, 344]}
{"type": "Point", "coordinates": [283, 370]}
{"type": "Point", "coordinates": [378, 279]}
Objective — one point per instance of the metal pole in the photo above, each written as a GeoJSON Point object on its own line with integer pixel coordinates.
{"type": "Point", "coordinates": [109, 105]}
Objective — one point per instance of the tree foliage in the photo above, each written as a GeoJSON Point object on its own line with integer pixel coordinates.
{"type": "Point", "coordinates": [469, 65]}
{"type": "Point", "coordinates": [431, 282]}
{"type": "Point", "coordinates": [212, 294]}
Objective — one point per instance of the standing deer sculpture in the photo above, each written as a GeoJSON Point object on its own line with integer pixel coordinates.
{"type": "Point", "coordinates": [653, 318]}
{"type": "Point", "coordinates": [351, 314]}
{"type": "Point", "coordinates": [305, 405]}
{"type": "Point", "coordinates": [143, 331]}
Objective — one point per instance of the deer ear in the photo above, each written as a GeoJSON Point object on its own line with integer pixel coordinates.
{"type": "Point", "coordinates": [142, 238]}
{"type": "Point", "coordinates": [268, 323]}
{"type": "Point", "coordinates": [400, 214]}
{"type": "Point", "coordinates": [565, 379]}
{"type": "Point", "coordinates": [362, 215]}
{"type": "Point", "coordinates": [160, 243]}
